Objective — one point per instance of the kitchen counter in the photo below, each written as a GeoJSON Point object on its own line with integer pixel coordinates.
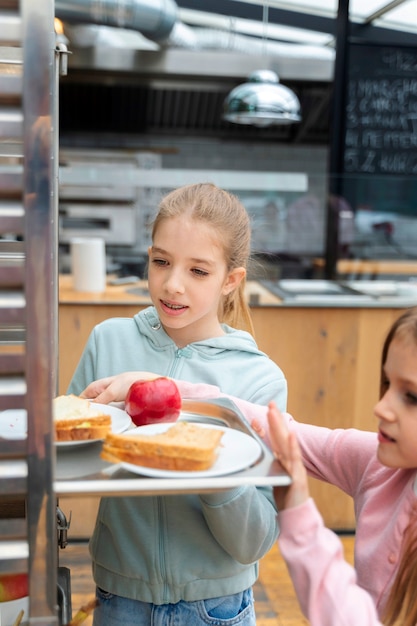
{"type": "Point", "coordinates": [137, 294]}
{"type": "Point", "coordinates": [371, 268]}
{"type": "Point", "coordinates": [265, 293]}
{"type": "Point", "coordinates": [114, 294]}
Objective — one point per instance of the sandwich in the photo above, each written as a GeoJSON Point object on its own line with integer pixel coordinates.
{"type": "Point", "coordinates": [76, 419]}
{"type": "Point", "coordinates": [184, 447]}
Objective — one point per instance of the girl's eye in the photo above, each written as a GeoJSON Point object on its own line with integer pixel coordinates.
{"type": "Point", "coordinates": [199, 272]}
{"type": "Point", "coordinates": [384, 384]}
{"type": "Point", "coordinates": [411, 398]}
{"type": "Point", "coordinates": [161, 262]}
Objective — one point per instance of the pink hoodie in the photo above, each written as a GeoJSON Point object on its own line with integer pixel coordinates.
{"type": "Point", "coordinates": [324, 582]}
{"type": "Point", "coordinates": [383, 497]}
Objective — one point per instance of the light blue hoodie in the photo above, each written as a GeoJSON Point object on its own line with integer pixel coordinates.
{"type": "Point", "coordinates": [182, 547]}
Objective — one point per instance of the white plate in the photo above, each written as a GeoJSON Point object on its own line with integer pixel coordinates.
{"type": "Point", "coordinates": [237, 451]}
{"type": "Point", "coordinates": [10, 610]}
{"type": "Point", "coordinates": [13, 424]}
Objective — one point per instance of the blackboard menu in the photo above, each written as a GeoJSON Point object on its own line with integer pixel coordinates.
{"type": "Point", "coordinates": [380, 148]}
{"type": "Point", "coordinates": [381, 114]}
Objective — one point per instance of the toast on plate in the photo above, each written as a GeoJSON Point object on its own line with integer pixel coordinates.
{"type": "Point", "coordinates": [184, 446]}
{"type": "Point", "coordinates": [76, 419]}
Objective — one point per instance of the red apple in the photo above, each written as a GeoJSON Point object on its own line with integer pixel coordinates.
{"type": "Point", "coordinates": [13, 586]}
{"type": "Point", "coordinates": [150, 401]}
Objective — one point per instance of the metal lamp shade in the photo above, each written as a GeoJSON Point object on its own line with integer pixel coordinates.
{"type": "Point", "coordinates": [262, 101]}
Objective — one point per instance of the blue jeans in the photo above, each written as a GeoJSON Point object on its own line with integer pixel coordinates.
{"type": "Point", "coordinates": [234, 610]}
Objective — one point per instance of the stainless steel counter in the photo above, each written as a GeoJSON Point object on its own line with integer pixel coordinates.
{"type": "Point", "coordinates": [360, 293]}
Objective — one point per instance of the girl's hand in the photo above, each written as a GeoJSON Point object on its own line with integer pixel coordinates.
{"type": "Point", "coordinates": [258, 428]}
{"type": "Point", "coordinates": [114, 388]}
{"type": "Point", "coordinates": [286, 449]}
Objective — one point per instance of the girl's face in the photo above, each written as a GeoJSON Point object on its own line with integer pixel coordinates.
{"type": "Point", "coordinates": [397, 409]}
{"type": "Point", "coordinates": [187, 278]}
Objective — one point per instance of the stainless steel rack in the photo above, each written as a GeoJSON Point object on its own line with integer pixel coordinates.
{"type": "Point", "coordinates": [28, 299]}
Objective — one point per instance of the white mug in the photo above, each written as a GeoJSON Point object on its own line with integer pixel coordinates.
{"type": "Point", "coordinates": [88, 262]}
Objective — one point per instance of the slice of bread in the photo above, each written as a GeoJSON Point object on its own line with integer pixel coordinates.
{"type": "Point", "coordinates": [183, 447]}
{"type": "Point", "coordinates": [76, 419]}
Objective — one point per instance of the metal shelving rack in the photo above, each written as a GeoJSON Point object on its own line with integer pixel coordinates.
{"type": "Point", "coordinates": [28, 296]}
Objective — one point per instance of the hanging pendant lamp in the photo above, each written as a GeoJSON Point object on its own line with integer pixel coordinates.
{"type": "Point", "coordinates": [262, 101]}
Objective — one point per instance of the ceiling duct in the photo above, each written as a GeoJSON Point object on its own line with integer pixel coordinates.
{"type": "Point", "coordinates": [158, 21]}
{"type": "Point", "coordinates": [184, 36]}
{"type": "Point", "coordinates": [153, 18]}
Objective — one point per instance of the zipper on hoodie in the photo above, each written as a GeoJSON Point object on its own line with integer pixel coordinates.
{"type": "Point", "coordinates": [161, 537]}
{"type": "Point", "coordinates": [161, 510]}
{"type": "Point", "coordinates": [180, 353]}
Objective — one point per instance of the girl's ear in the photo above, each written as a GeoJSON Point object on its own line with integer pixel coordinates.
{"type": "Point", "coordinates": [233, 279]}
{"type": "Point", "coordinates": [149, 251]}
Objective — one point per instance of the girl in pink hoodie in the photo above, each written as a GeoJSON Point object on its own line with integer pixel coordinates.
{"type": "Point", "coordinates": [379, 471]}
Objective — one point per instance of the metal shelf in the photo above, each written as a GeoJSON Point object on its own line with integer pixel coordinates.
{"type": "Point", "coordinates": [28, 296]}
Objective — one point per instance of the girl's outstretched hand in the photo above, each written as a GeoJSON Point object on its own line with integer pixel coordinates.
{"type": "Point", "coordinates": [285, 447]}
{"type": "Point", "coordinates": [114, 388]}
{"type": "Point", "coordinates": [258, 428]}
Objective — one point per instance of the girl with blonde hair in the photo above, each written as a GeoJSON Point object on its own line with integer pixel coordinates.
{"type": "Point", "coordinates": [178, 559]}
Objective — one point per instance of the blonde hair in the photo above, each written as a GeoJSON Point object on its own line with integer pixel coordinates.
{"type": "Point", "coordinates": [401, 607]}
{"type": "Point", "coordinates": [404, 328]}
{"type": "Point", "coordinates": [228, 217]}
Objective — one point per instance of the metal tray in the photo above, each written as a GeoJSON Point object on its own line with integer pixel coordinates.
{"type": "Point", "coordinates": [81, 472]}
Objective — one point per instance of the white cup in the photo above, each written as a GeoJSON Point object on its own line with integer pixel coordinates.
{"type": "Point", "coordinates": [88, 262]}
